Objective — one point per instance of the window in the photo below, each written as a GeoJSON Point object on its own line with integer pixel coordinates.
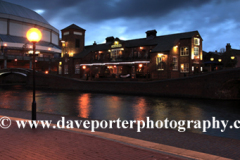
{"type": "Point", "coordinates": [77, 43]}
{"type": "Point", "coordinates": [196, 41]}
{"type": "Point", "coordinates": [59, 69]}
{"type": "Point", "coordinates": [65, 69]}
{"type": "Point", "coordinates": [77, 69]}
{"type": "Point", "coordinates": [196, 51]}
{"type": "Point", "coordinates": [159, 63]}
{"type": "Point", "coordinates": [184, 51]}
{"type": "Point", "coordinates": [115, 54]}
{"type": "Point", "coordinates": [185, 67]}
{"type": "Point", "coordinates": [139, 54]}
{"type": "Point", "coordinates": [175, 63]}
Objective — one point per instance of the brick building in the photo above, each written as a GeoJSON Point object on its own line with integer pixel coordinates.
{"type": "Point", "coordinates": [155, 57]}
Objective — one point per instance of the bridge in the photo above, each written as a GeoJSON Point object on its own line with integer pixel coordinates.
{"type": "Point", "coordinates": [14, 75]}
{"type": "Point", "coordinates": [19, 71]}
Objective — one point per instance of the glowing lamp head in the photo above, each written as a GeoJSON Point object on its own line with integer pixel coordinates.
{"type": "Point", "coordinates": [5, 44]}
{"type": "Point", "coordinates": [219, 60]}
{"type": "Point", "coordinates": [232, 57]}
{"type": "Point", "coordinates": [84, 67]}
{"type": "Point", "coordinates": [15, 60]}
{"type": "Point", "coordinates": [211, 59]}
{"type": "Point", "coordinates": [140, 65]}
{"type": "Point", "coordinates": [46, 72]}
{"type": "Point", "coordinates": [34, 35]}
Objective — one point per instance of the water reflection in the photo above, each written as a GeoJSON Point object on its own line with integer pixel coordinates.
{"type": "Point", "coordinates": [103, 106]}
{"type": "Point", "coordinates": [84, 105]}
{"type": "Point", "coordinates": [140, 109]}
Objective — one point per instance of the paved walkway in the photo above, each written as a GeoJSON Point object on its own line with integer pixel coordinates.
{"type": "Point", "coordinates": [83, 144]}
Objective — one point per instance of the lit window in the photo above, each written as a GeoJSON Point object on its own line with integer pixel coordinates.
{"type": "Point", "coordinates": [77, 69]}
{"type": "Point", "coordinates": [196, 41]}
{"type": "Point", "coordinates": [185, 67]}
{"type": "Point", "coordinates": [159, 63]}
{"type": "Point", "coordinates": [115, 54]}
{"type": "Point", "coordinates": [184, 51]}
{"type": "Point", "coordinates": [175, 63]}
{"type": "Point", "coordinates": [65, 69]}
{"type": "Point", "coordinates": [196, 51]}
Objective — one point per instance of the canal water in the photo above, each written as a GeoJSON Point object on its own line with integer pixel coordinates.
{"type": "Point", "coordinates": [106, 107]}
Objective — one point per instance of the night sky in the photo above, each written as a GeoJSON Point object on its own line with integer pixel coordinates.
{"type": "Point", "coordinates": [218, 21]}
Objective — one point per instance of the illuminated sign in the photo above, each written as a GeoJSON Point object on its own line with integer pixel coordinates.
{"type": "Point", "coordinates": [116, 45]}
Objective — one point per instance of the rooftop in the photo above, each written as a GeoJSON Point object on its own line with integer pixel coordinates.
{"type": "Point", "coordinates": [19, 11]}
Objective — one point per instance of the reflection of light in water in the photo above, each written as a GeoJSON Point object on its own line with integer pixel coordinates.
{"type": "Point", "coordinates": [113, 102]}
{"type": "Point", "coordinates": [140, 109]}
{"type": "Point", "coordinates": [160, 111]}
{"type": "Point", "coordinates": [84, 104]}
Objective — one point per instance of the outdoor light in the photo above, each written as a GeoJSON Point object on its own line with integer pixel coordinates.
{"type": "Point", "coordinates": [140, 65]}
{"type": "Point", "coordinates": [212, 59]}
{"type": "Point", "coordinates": [109, 50]}
{"type": "Point", "coordinates": [84, 67]}
{"type": "Point", "coordinates": [46, 72]}
{"type": "Point", "coordinates": [49, 49]}
{"type": "Point", "coordinates": [141, 47]}
{"type": "Point", "coordinates": [15, 60]}
{"type": "Point", "coordinates": [114, 66]}
{"type": "Point", "coordinates": [34, 36]}
{"type": "Point", "coordinates": [160, 54]}
{"type": "Point", "coordinates": [219, 60]}
{"type": "Point", "coordinates": [35, 60]}
{"type": "Point", "coordinates": [5, 44]}
{"type": "Point", "coordinates": [232, 57]}
{"type": "Point", "coordinates": [60, 63]}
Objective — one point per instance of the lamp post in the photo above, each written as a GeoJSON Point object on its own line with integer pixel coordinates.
{"type": "Point", "coordinates": [34, 36]}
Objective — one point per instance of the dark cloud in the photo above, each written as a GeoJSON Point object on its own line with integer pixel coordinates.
{"type": "Point", "coordinates": [217, 21]}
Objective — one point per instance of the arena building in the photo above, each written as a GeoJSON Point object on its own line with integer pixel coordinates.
{"type": "Point", "coordinates": [16, 50]}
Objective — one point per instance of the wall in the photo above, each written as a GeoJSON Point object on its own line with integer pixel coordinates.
{"type": "Point", "coordinates": [216, 85]}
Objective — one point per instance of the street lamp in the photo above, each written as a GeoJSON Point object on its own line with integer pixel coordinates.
{"type": "Point", "coordinates": [34, 36]}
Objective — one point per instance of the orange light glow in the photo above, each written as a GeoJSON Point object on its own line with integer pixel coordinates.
{"type": "Point", "coordinates": [5, 44]}
{"type": "Point", "coordinates": [35, 60]}
{"type": "Point", "coordinates": [49, 49]}
{"type": "Point", "coordinates": [15, 60]}
{"type": "Point", "coordinates": [115, 66]}
{"type": "Point", "coordinates": [141, 47]}
{"type": "Point", "coordinates": [99, 51]}
{"type": "Point", "coordinates": [34, 35]}
{"type": "Point", "coordinates": [160, 55]}
{"type": "Point", "coordinates": [46, 72]}
{"type": "Point", "coordinates": [84, 105]}
{"type": "Point", "coordinates": [211, 59]}
{"type": "Point", "coordinates": [140, 65]}
{"type": "Point", "coordinates": [84, 67]}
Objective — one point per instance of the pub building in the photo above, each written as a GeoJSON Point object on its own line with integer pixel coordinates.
{"type": "Point", "coordinates": [152, 57]}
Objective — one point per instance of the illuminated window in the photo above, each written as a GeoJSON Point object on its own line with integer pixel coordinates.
{"type": "Point", "coordinates": [196, 41]}
{"type": "Point", "coordinates": [196, 51]}
{"type": "Point", "coordinates": [185, 67]}
{"type": "Point", "coordinates": [59, 69]}
{"type": "Point", "coordinates": [159, 63]}
{"type": "Point", "coordinates": [115, 54]}
{"type": "Point", "coordinates": [77, 69]}
{"type": "Point", "coordinates": [175, 63]}
{"type": "Point", "coordinates": [65, 69]}
{"type": "Point", "coordinates": [184, 51]}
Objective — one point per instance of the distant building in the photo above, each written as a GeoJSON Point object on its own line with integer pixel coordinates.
{"type": "Point", "coordinates": [229, 58]}
{"type": "Point", "coordinates": [15, 51]}
{"type": "Point", "coordinates": [155, 57]}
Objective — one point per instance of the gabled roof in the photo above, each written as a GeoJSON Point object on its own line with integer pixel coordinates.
{"type": "Point", "coordinates": [19, 11]}
{"type": "Point", "coordinates": [235, 51]}
{"type": "Point", "coordinates": [73, 26]}
{"type": "Point", "coordinates": [162, 43]}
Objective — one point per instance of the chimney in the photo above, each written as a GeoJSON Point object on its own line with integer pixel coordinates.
{"type": "Point", "coordinates": [94, 43]}
{"type": "Point", "coordinates": [228, 47]}
{"type": "Point", "coordinates": [109, 39]}
{"type": "Point", "coordinates": [151, 33]}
